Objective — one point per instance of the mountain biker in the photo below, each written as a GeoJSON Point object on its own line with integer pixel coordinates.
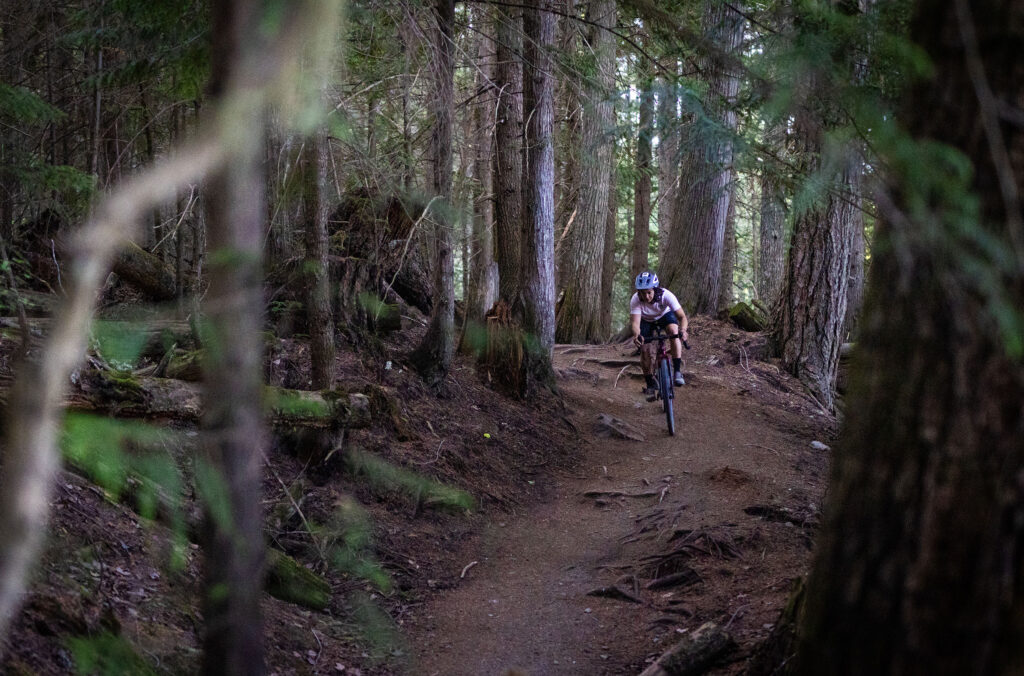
{"type": "Point", "coordinates": [652, 306]}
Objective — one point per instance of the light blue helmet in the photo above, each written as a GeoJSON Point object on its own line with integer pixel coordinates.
{"type": "Point", "coordinates": [646, 280]}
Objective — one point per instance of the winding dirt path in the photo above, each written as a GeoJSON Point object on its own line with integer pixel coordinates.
{"type": "Point", "coordinates": [742, 442]}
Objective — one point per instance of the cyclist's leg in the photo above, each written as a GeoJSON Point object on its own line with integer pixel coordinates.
{"type": "Point", "coordinates": [677, 352]}
{"type": "Point", "coordinates": [647, 353]}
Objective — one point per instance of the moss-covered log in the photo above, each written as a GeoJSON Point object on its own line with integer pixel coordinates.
{"type": "Point", "coordinates": [290, 581]}
{"type": "Point", "coordinates": [127, 395]}
{"type": "Point", "coordinates": [748, 317]}
{"type": "Point", "coordinates": [146, 272]}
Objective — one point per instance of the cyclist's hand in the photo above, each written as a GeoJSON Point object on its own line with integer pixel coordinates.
{"type": "Point", "coordinates": [638, 340]}
{"type": "Point", "coordinates": [685, 334]}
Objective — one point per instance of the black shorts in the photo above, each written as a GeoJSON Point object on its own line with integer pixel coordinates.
{"type": "Point", "coordinates": [664, 321]}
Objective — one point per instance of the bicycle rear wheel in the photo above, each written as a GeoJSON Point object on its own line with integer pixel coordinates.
{"type": "Point", "coordinates": [667, 395]}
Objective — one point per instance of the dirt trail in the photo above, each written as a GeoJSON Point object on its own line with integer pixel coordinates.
{"type": "Point", "coordinates": [743, 442]}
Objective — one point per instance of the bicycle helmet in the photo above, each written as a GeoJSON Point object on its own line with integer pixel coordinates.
{"type": "Point", "coordinates": [646, 280]}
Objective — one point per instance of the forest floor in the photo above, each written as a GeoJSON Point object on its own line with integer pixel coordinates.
{"type": "Point", "coordinates": [562, 509]}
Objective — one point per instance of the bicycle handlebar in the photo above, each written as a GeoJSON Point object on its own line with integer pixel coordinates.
{"type": "Point", "coordinates": [661, 335]}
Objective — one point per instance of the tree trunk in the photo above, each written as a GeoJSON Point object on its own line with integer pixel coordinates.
{"type": "Point", "coordinates": [235, 441]}
{"type": "Point", "coordinates": [433, 357]}
{"type": "Point", "coordinates": [697, 236]}
{"type": "Point", "coordinates": [809, 326]}
{"type": "Point", "coordinates": [479, 296]}
{"type": "Point", "coordinates": [608, 267]}
{"type": "Point", "coordinates": [725, 286]}
{"type": "Point", "coordinates": [668, 162]}
{"type": "Point", "coordinates": [579, 311]}
{"type": "Point", "coordinates": [918, 567]}
{"type": "Point", "coordinates": [538, 289]}
{"type": "Point", "coordinates": [318, 292]}
{"type": "Point", "coordinates": [858, 245]}
{"type": "Point", "coordinates": [642, 185]}
{"type": "Point", "coordinates": [772, 251]}
{"type": "Point", "coordinates": [508, 149]}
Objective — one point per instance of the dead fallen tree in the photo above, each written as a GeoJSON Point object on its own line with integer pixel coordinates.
{"type": "Point", "coordinates": [131, 396]}
{"type": "Point", "coordinates": [146, 272]}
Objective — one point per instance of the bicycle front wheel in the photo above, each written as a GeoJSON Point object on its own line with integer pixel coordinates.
{"type": "Point", "coordinates": [667, 395]}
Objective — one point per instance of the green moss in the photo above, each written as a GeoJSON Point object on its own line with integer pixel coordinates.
{"type": "Point", "coordinates": [289, 581]}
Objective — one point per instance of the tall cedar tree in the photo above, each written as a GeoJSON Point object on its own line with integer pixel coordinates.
{"type": "Point", "coordinates": [808, 329]}
{"type": "Point", "coordinates": [668, 160]}
{"type": "Point", "coordinates": [918, 569]}
{"type": "Point", "coordinates": [483, 272]}
{"type": "Point", "coordinates": [642, 184]}
{"type": "Point", "coordinates": [433, 356]}
{"type": "Point", "coordinates": [508, 151]}
{"type": "Point", "coordinates": [772, 228]}
{"type": "Point", "coordinates": [538, 262]}
{"type": "Point", "coordinates": [318, 206]}
{"type": "Point", "coordinates": [693, 267]}
{"type": "Point", "coordinates": [579, 311]}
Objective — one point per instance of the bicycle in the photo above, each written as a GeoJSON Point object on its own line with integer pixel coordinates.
{"type": "Point", "coordinates": [663, 375]}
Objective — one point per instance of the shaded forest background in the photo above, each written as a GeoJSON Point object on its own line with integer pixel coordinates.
{"type": "Point", "coordinates": [503, 170]}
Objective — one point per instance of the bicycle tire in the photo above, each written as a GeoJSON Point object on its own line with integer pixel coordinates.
{"type": "Point", "coordinates": [667, 395]}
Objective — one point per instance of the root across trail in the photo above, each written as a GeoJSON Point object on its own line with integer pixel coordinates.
{"type": "Point", "coordinates": [647, 542]}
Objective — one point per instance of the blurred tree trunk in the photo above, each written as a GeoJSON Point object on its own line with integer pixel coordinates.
{"type": "Point", "coordinates": [642, 185]}
{"type": "Point", "coordinates": [579, 312]}
{"type": "Point", "coordinates": [918, 566]}
{"type": "Point", "coordinates": [697, 237]}
{"type": "Point", "coordinates": [508, 151]}
{"type": "Point", "coordinates": [318, 301]}
{"type": "Point", "coordinates": [668, 161]}
{"type": "Point", "coordinates": [433, 357]}
{"type": "Point", "coordinates": [538, 264]}
{"type": "Point", "coordinates": [235, 440]}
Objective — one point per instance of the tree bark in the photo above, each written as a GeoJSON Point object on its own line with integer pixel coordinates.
{"type": "Point", "coordinates": [697, 236]}
{"type": "Point", "coordinates": [642, 185]}
{"type": "Point", "coordinates": [433, 357]}
{"type": "Point", "coordinates": [483, 273]}
{"type": "Point", "coordinates": [668, 162]}
{"type": "Point", "coordinates": [538, 263]}
{"type": "Point", "coordinates": [579, 311]}
{"type": "Point", "coordinates": [508, 149]}
{"type": "Point", "coordinates": [318, 299]}
{"type": "Point", "coordinates": [725, 286]}
{"type": "Point", "coordinates": [918, 568]}
{"type": "Point", "coordinates": [608, 267]}
{"type": "Point", "coordinates": [772, 256]}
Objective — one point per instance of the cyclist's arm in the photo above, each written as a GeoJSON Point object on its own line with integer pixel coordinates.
{"type": "Point", "coordinates": [634, 325]}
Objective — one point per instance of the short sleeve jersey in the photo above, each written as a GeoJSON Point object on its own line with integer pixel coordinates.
{"type": "Point", "coordinates": [654, 310]}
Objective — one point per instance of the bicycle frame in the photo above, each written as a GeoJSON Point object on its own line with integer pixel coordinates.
{"type": "Point", "coordinates": [663, 374]}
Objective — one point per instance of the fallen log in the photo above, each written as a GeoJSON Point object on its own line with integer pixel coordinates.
{"type": "Point", "coordinates": [693, 655]}
{"type": "Point", "coordinates": [146, 272]}
{"type": "Point", "coordinates": [127, 395]}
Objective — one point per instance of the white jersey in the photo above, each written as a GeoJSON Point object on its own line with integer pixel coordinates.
{"type": "Point", "coordinates": [654, 310]}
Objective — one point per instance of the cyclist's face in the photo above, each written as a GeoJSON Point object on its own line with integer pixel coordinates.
{"type": "Point", "coordinates": [646, 295]}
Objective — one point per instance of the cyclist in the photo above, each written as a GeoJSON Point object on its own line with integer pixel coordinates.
{"type": "Point", "coordinates": [652, 306]}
